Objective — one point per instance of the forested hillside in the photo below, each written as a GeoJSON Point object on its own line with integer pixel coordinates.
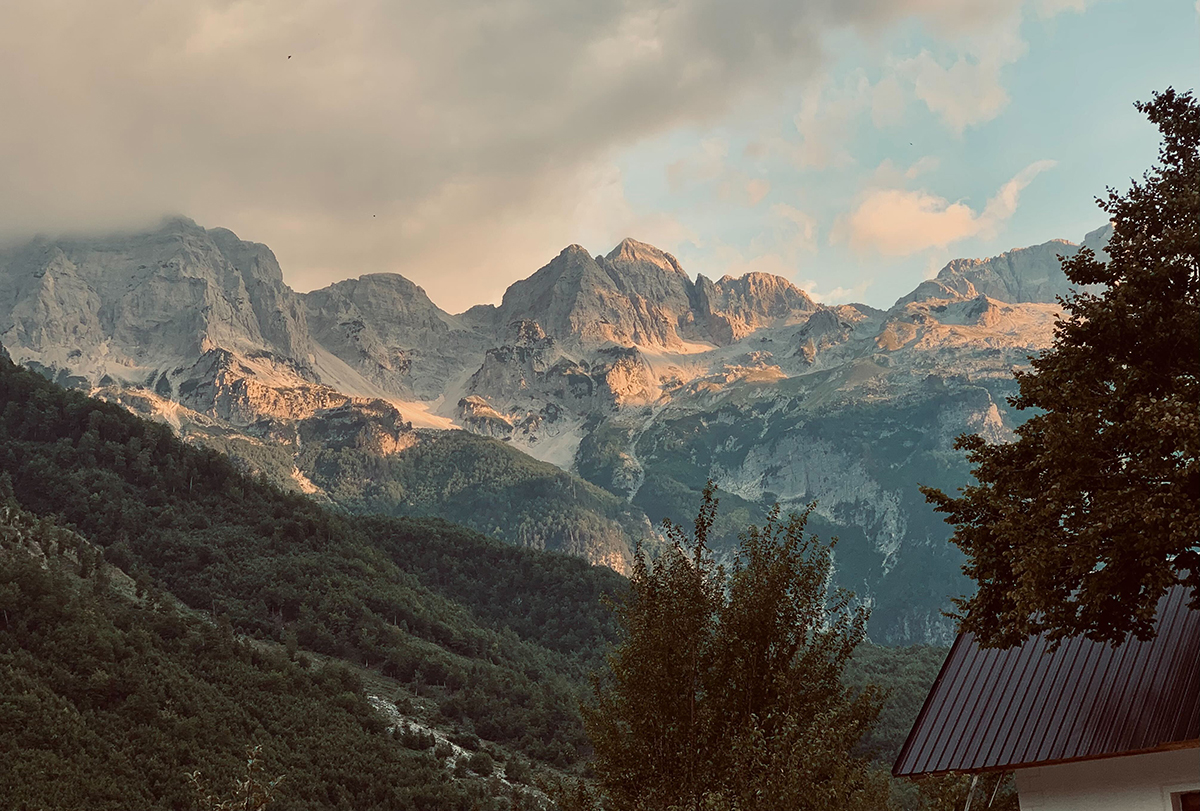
{"type": "Point", "coordinates": [239, 582]}
{"type": "Point", "coordinates": [484, 484]}
{"type": "Point", "coordinates": [479, 482]}
{"type": "Point", "coordinates": [110, 701]}
{"type": "Point", "coordinates": [280, 566]}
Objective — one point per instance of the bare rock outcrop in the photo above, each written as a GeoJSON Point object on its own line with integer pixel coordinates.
{"type": "Point", "coordinates": [385, 327]}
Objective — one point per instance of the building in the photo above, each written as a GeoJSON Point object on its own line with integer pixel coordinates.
{"type": "Point", "coordinates": [1085, 726]}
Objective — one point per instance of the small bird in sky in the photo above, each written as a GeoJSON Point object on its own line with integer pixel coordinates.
{"type": "Point", "coordinates": [289, 56]}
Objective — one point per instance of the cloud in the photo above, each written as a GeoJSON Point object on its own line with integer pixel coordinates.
{"type": "Point", "coordinates": [706, 164]}
{"type": "Point", "coordinates": [797, 229]}
{"type": "Point", "coordinates": [1004, 203]}
{"type": "Point", "coordinates": [965, 94]}
{"type": "Point", "coordinates": [900, 222]}
{"type": "Point", "coordinates": [835, 295]}
{"type": "Point", "coordinates": [887, 174]}
{"type": "Point", "coordinates": [825, 121]}
{"type": "Point", "coordinates": [1051, 8]}
{"type": "Point", "coordinates": [896, 222]}
{"type": "Point", "coordinates": [707, 170]}
{"type": "Point", "coordinates": [969, 91]}
{"type": "Point", "coordinates": [756, 188]}
{"type": "Point", "coordinates": [929, 163]}
{"type": "Point", "coordinates": [888, 100]}
{"type": "Point", "coordinates": [452, 142]}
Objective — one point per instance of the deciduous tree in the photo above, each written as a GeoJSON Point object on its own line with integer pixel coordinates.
{"type": "Point", "coordinates": [1082, 523]}
{"type": "Point", "coordinates": [726, 691]}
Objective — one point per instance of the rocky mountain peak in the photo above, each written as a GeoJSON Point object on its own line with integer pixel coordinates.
{"type": "Point", "coordinates": [392, 303]}
{"type": "Point", "coordinates": [129, 304]}
{"type": "Point", "coordinates": [630, 252]}
{"type": "Point", "coordinates": [631, 300]}
{"type": "Point", "coordinates": [1022, 275]}
{"type": "Point", "coordinates": [732, 308]}
{"type": "Point", "coordinates": [386, 329]}
{"type": "Point", "coordinates": [775, 292]}
{"type": "Point", "coordinates": [1098, 240]}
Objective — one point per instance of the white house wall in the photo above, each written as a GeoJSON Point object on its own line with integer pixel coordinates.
{"type": "Point", "coordinates": [1131, 783]}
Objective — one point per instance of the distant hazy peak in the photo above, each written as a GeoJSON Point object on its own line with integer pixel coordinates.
{"type": "Point", "coordinates": [1098, 240]}
{"type": "Point", "coordinates": [1022, 275]}
{"type": "Point", "coordinates": [765, 294]}
{"type": "Point", "coordinates": [759, 281]}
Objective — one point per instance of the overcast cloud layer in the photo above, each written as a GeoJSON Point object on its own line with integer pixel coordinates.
{"type": "Point", "coordinates": [458, 143]}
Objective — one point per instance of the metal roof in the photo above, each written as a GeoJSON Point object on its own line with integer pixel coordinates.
{"type": "Point", "coordinates": [1002, 709]}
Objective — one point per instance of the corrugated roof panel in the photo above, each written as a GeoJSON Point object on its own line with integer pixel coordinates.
{"type": "Point", "coordinates": [1012, 697]}
{"type": "Point", "coordinates": [940, 720]}
{"type": "Point", "coordinates": [1030, 701]}
{"type": "Point", "coordinates": [952, 738]}
{"type": "Point", "coordinates": [1143, 686]}
{"type": "Point", "coordinates": [995, 709]}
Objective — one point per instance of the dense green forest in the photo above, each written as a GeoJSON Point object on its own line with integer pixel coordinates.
{"type": "Point", "coordinates": [475, 481]}
{"type": "Point", "coordinates": [280, 566]}
{"type": "Point", "coordinates": [486, 485]}
{"type": "Point", "coordinates": [484, 640]}
{"type": "Point", "coordinates": [110, 701]}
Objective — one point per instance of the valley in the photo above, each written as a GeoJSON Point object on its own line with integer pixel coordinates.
{"type": "Point", "coordinates": [165, 617]}
{"type": "Point", "coordinates": [592, 403]}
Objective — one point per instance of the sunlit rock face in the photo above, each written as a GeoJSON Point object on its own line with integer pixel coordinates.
{"type": "Point", "coordinates": [637, 297]}
{"type": "Point", "coordinates": [620, 369]}
{"type": "Point", "coordinates": [731, 309]}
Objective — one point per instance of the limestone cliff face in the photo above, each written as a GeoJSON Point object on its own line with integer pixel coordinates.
{"type": "Point", "coordinates": [245, 389]}
{"type": "Point", "coordinates": [369, 426]}
{"type": "Point", "coordinates": [529, 389]}
{"type": "Point", "coordinates": [643, 270]}
{"type": "Point", "coordinates": [631, 299]}
{"type": "Point", "coordinates": [831, 327]}
{"type": "Point", "coordinates": [658, 290]}
{"type": "Point", "coordinates": [129, 306]}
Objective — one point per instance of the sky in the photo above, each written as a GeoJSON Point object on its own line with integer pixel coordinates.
{"type": "Point", "coordinates": [851, 146]}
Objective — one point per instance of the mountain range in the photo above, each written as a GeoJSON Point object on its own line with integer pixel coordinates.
{"type": "Point", "coordinates": [594, 401]}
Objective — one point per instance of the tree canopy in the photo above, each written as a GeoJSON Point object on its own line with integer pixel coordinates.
{"type": "Point", "coordinates": [726, 689]}
{"type": "Point", "coordinates": [1081, 524]}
